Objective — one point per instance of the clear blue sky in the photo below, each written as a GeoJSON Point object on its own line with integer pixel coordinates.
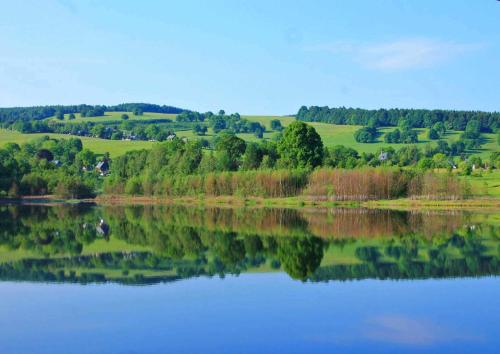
{"type": "Point", "coordinates": [252, 57]}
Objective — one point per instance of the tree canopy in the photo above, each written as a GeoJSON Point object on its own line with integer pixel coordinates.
{"type": "Point", "coordinates": [301, 146]}
{"type": "Point", "coordinates": [419, 118]}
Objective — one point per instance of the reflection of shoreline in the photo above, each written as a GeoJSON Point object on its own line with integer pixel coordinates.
{"type": "Point", "coordinates": [486, 204]}
{"type": "Point", "coordinates": [49, 200]}
{"type": "Point", "coordinates": [59, 270]}
{"type": "Point", "coordinates": [145, 244]}
{"type": "Point", "coordinates": [372, 223]}
{"type": "Point", "coordinates": [324, 223]}
{"type": "Point", "coordinates": [332, 223]}
{"type": "Point", "coordinates": [300, 203]}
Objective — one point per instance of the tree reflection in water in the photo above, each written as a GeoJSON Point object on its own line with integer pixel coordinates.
{"type": "Point", "coordinates": [150, 244]}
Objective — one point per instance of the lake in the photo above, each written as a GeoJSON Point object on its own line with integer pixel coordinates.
{"type": "Point", "coordinates": [172, 279]}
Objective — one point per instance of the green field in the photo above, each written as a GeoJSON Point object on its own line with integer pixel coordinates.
{"type": "Point", "coordinates": [266, 120]}
{"type": "Point", "coordinates": [485, 183]}
{"type": "Point", "coordinates": [333, 134]}
{"type": "Point", "coordinates": [113, 117]}
{"type": "Point", "coordinates": [99, 146]}
{"type": "Point", "coordinates": [330, 133]}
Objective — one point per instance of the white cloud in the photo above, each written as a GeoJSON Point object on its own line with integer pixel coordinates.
{"type": "Point", "coordinates": [404, 330]}
{"type": "Point", "coordinates": [400, 330]}
{"type": "Point", "coordinates": [410, 53]}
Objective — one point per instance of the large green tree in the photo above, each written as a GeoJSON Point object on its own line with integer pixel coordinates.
{"type": "Point", "coordinates": [229, 149]}
{"type": "Point", "coordinates": [252, 158]}
{"type": "Point", "coordinates": [301, 146]}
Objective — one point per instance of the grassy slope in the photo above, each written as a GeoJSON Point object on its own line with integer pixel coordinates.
{"type": "Point", "coordinates": [116, 117]}
{"type": "Point", "coordinates": [100, 146]}
{"type": "Point", "coordinates": [330, 133]}
{"type": "Point", "coordinates": [485, 183]}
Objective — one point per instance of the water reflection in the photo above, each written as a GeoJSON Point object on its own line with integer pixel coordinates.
{"type": "Point", "coordinates": [398, 329]}
{"type": "Point", "coordinates": [150, 244]}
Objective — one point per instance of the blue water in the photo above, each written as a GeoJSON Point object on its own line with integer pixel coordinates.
{"type": "Point", "coordinates": [252, 313]}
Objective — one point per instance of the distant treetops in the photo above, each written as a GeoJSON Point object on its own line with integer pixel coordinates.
{"type": "Point", "coordinates": [473, 123]}
{"type": "Point", "coordinates": [488, 122]}
{"type": "Point", "coordinates": [12, 114]}
{"type": "Point", "coordinates": [221, 121]}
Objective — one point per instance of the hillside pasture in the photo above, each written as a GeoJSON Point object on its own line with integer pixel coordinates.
{"type": "Point", "coordinates": [331, 134]}
{"type": "Point", "coordinates": [99, 146]}
{"type": "Point", "coordinates": [114, 117]}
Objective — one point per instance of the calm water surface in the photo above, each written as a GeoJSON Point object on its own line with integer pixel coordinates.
{"type": "Point", "coordinates": [87, 279]}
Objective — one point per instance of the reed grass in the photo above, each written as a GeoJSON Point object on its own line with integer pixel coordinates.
{"type": "Point", "coordinates": [321, 184]}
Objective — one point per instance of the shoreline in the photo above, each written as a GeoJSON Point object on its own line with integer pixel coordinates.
{"type": "Point", "coordinates": [485, 204]}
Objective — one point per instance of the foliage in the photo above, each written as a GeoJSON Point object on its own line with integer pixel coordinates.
{"type": "Point", "coordinates": [419, 118]}
{"type": "Point", "coordinates": [229, 148]}
{"type": "Point", "coordinates": [276, 125]}
{"type": "Point", "coordinates": [342, 157]}
{"type": "Point", "coordinates": [393, 137]}
{"type": "Point", "coordinates": [149, 244]}
{"type": "Point", "coordinates": [73, 187]}
{"type": "Point", "coordinates": [366, 135]}
{"type": "Point", "coordinates": [300, 257]}
{"type": "Point", "coordinates": [47, 166]}
{"type": "Point", "coordinates": [301, 146]}
{"type": "Point", "coordinates": [178, 167]}
{"type": "Point", "coordinates": [433, 134]}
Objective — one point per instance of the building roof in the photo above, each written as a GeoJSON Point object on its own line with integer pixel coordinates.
{"type": "Point", "coordinates": [383, 156]}
{"type": "Point", "coordinates": [102, 165]}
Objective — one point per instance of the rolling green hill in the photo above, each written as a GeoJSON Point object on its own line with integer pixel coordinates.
{"type": "Point", "coordinates": [100, 146]}
{"type": "Point", "coordinates": [113, 117]}
{"type": "Point", "coordinates": [333, 134]}
{"type": "Point", "coordinates": [330, 133]}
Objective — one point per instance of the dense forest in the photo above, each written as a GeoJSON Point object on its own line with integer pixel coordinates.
{"type": "Point", "coordinates": [417, 118]}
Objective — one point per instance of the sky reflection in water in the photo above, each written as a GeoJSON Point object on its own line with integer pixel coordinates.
{"type": "Point", "coordinates": [233, 281]}
{"type": "Point", "coordinates": [252, 313]}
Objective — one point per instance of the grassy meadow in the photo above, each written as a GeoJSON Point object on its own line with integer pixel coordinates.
{"type": "Point", "coordinates": [113, 117]}
{"type": "Point", "coordinates": [485, 183]}
{"type": "Point", "coordinates": [99, 146]}
{"type": "Point", "coordinates": [331, 134]}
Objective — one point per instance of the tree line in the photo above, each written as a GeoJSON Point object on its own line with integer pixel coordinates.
{"type": "Point", "coordinates": [418, 118]}
{"type": "Point", "coordinates": [471, 138]}
{"type": "Point", "coordinates": [232, 123]}
{"type": "Point", "coordinates": [49, 166]}
{"type": "Point", "coordinates": [13, 114]}
{"type": "Point", "coordinates": [281, 168]}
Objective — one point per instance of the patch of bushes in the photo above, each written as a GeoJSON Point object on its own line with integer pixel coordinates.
{"type": "Point", "coordinates": [322, 184]}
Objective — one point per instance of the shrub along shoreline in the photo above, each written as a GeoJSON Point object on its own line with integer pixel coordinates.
{"type": "Point", "coordinates": [381, 187]}
{"type": "Point", "coordinates": [486, 204]}
{"type": "Point", "coordinates": [321, 185]}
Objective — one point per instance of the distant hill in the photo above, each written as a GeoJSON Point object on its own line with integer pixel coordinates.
{"type": "Point", "coordinates": [11, 114]}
